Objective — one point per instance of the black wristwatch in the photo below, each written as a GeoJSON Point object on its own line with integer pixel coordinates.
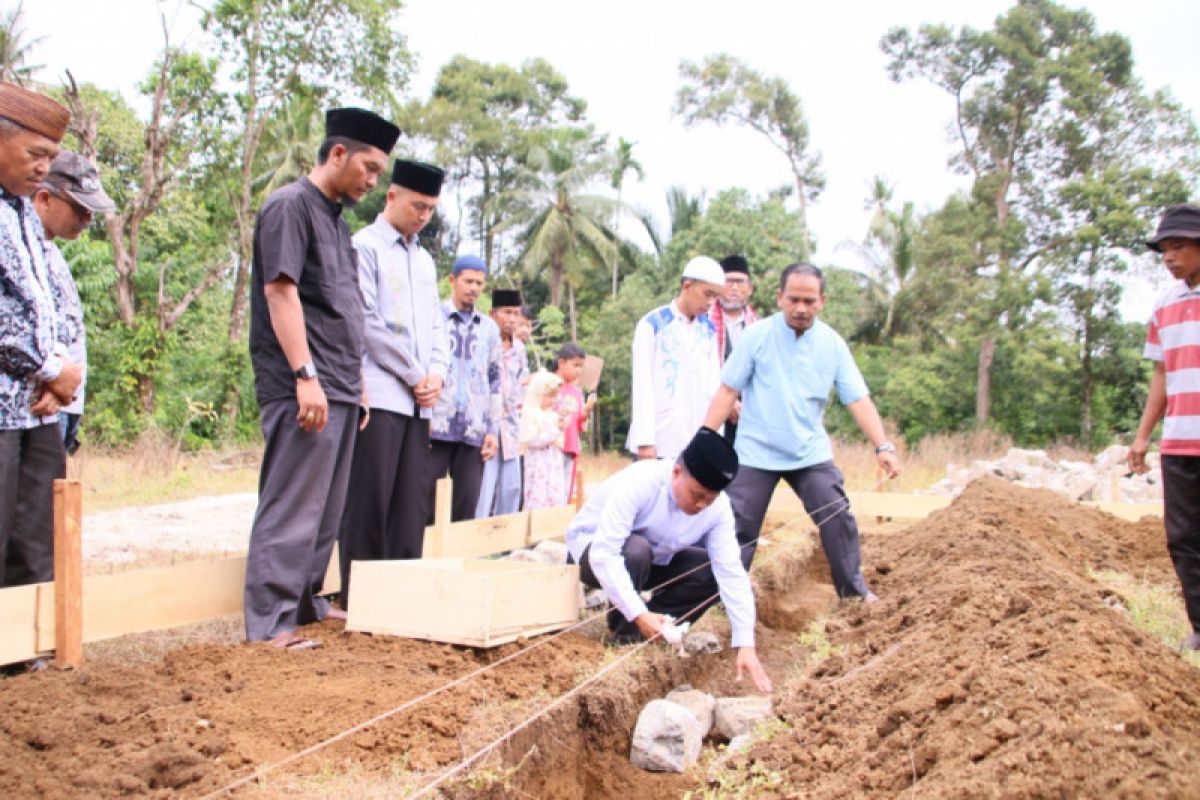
{"type": "Point", "coordinates": [306, 371]}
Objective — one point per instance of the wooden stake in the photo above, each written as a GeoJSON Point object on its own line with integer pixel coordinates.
{"type": "Point", "coordinates": [68, 573]}
{"type": "Point", "coordinates": [579, 494]}
{"type": "Point", "coordinates": [435, 535]}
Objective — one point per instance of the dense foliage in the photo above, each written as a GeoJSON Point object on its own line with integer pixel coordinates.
{"type": "Point", "coordinates": [998, 309]}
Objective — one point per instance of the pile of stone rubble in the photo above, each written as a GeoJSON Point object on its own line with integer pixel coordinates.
{"type": "Point", "coordinates": [670, 732]}
{"type": "Point", "coordinates": [1105, 479]}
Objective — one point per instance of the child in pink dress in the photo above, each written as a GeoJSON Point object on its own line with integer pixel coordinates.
{"type": "Point", "coordinates": [575, 411]}
{"type": "Point", "coordinates": [541, 441]}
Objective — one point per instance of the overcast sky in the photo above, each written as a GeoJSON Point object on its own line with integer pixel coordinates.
{"type": "Point", "coordinates": [623, 57]}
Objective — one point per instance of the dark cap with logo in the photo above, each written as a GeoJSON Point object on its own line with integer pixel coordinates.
{"type": "Point", "coordinates": [710, 459]}
{"type": "Point", "coordinates": [361, 126]}
{"type": "Point", "coordinates": [1178, 222]}
{"type": "Point", "coordinates": [74, 177]}
{"type": "Point", "coordinates": [420, 177]}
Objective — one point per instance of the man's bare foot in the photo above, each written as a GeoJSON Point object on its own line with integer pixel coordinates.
{"type": "Point", "coordinates": [293, 641]}
{"type": "Point", "coordinates": [335, 613]}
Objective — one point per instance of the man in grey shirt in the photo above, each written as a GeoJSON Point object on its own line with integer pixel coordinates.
{"type": "Point", "coordinates": [306, 345]}
{"type": "Point", "coordinates": [404, 368]}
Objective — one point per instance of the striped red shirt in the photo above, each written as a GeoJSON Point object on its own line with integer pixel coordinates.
{"type": "Point", "coordinates": [1174, 339]}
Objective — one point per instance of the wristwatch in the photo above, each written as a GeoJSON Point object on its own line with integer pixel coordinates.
{"type": "Point", "coordinates": [305, 371]}
{"type": "Point", "coordinates": [886, 447]}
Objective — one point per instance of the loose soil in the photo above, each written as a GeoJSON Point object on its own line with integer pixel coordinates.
{"type": "Point", "coordinates": [994, 665]}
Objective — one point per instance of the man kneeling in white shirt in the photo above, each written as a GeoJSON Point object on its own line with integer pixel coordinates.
{"type": "Point", "coordinates": [656, 521]}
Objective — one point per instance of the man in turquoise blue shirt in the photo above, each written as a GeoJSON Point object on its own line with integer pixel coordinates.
{"type": "Point", "coordinates": [784, 368]}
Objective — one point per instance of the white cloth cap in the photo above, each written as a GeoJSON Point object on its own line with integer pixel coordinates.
{"type": "Point", "coordinates": [706, 270]}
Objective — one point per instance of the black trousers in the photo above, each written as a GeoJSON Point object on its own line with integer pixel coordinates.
{"type": "Point", "coordinates": [1181, 510]}
{"type": "Point", "coordinates": [388, 499]}
{"type": "Point", "coordinates": [466, 469]}
{"type": "Point", "coordinates": [820, 488]}
{"type": "Point", "coordinates": [686, 599]}
{"type": "Point", "coordinates": [30, 460]}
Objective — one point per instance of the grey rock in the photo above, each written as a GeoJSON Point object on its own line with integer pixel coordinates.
{"type": "Point", "coordinates": [702, 642]}
{"type": "Point", "coordinates": [594, 598]}
{"type": "Point", "coordinates": [737, 715]}
{"type": "Point", "coordinates": [701, 704]}
{"type": "Point", "coordinates": [667, 738]}
{"type": "Point", "coordinates": [551, 552]}
{"type": "Point", "coordinates": [523, 556]}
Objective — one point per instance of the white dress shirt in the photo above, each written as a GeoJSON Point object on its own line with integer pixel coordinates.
{"type": "Point", "coordinates": [638, 499]}
{"type": "Point", "coordinates": [676, 372]}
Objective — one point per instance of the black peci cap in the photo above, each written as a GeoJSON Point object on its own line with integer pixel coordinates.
{"type": "Point", "coordinates": [420, 177]}
{"type": "Point", "coordinates": [506, 298]}
{"type": "Point", "coordinates": [710, 459]}
{"type": "Point", "coordinates": [361, 126]}
{"type": "Point", "coordinates": [735, 263]}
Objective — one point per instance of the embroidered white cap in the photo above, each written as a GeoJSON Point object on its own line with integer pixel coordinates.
{"type": "Point", "coordinates": [705, 270]}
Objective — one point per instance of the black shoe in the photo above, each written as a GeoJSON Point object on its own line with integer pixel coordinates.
{"type": "Point", "coordinates": [623, 636]}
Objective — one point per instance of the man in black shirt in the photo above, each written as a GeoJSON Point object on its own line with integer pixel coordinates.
{"type": "Point", "coordinates": [306, 344]}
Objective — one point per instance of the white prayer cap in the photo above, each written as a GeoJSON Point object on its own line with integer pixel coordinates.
{"type": "Point", "coordinates": [705, 270]}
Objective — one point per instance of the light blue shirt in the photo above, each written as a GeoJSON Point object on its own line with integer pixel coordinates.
{"type": "Point", "coordinates": [405, 340]}
{"type": "Point", "coordinates": [785, 382]}
{"type": "Point", "coordinates": [638, 499]}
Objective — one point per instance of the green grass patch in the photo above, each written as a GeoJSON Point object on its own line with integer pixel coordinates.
{"type": "Point", "coordinates": [1154, 608]}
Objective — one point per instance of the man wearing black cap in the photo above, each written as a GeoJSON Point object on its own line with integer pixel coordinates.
{"type": "Point", "coordinates": [65, 203]}
{"type": "Point", "coordinates": [732, 314]}
{"type": "Point", "coordinates": [500, 487]}
{"type": "Point", "coordinates": [306, 345]}
{"type": "Point", "coordinates": [1173, 344]}
{"type": "Point", "coordinates": [656, 521]}
{"type": "Point", "coordinates": [404, 368]}
{"type": "Point", "coordinates": [37, 376]}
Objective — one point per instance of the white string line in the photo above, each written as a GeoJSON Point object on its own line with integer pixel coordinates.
{"type": "Point", "coordinates": [264, 770]}
{"type": "Point", "coordinates": [478, 754]}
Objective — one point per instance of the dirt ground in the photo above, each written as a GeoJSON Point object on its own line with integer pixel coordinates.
{"type": "Point", "coordinates": [994, 666]}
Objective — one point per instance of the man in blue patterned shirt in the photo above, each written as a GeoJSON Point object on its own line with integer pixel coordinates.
{"type": "Point", "coordinates": [466, 418]}
{"type": "Point", "coordinates": [36, 376]}
{"type": "Point", "coordinates": [500, 492]}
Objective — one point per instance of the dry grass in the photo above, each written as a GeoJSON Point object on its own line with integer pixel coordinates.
{"type": "Point", "coordinates": [150, 647]}
{"type": "Point", "coordinates": [154, 471]}
{"type": "Point", "coordinates": [920, 466]}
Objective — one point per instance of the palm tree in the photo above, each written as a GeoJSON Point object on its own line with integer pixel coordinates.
{"type": "Point", "coordinates": [565, 231]}
{"type": "Point", "coordinates": [15, 49]}
{"type": "Point", "coordinates": [623, 162]}
{"type": "Point", "coordinates": [889, 249]}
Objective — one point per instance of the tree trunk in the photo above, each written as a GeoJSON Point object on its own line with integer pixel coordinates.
{"type": "Point", "coordinates": [571, 310]}
{"type": "Point", "coordinates": [147, 395]}
{"type": "Point", "coordinates": [556, 280]}
{"type": "Point", "coordinates": [983, 380]}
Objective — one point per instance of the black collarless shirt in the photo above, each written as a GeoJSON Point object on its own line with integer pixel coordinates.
{"type": "Point", "coordinates": [300, 235]}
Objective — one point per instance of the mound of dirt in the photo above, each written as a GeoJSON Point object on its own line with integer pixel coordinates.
{"type": "Point", "coordinates": [995, 667]}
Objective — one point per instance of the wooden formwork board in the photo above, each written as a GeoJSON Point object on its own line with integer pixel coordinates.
{"type": "Point", "coordinates": [549, 523]}
{"type": "Point", "coordinates": [478, 603]}
{"type": "Point", "coordinates": [476, 537]}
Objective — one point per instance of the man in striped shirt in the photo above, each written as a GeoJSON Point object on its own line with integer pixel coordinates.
{"type": "Point", "coordinates": [1173, 343]}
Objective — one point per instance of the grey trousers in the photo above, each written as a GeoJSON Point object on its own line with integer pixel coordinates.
{"type": "Point", "coordinates": [301, 494]}
{"type": "Point", "coordinates": [385, 513]}
{"type": "Point", "coordinates": [500, 487]}
{"type": "Point", "coordinates": [30, 460]}
{"type": "Point", "coordinates": [685, 599]}
{"type": "Point", "coordinates": [820, 489]}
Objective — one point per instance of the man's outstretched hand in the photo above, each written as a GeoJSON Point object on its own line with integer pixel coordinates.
{"type": "Point", "coordinates": [749, 665]}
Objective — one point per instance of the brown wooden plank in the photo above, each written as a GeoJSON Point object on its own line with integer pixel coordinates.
{"type": "Point", "coordinates": [477, 537]}
{"type": "Point", "coordinates": [68, 573]}
{"type": "Point", "coordinates": [18, 623]}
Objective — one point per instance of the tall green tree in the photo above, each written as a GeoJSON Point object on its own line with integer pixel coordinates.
{"type": "Point", "coordinates": [278, 51]}
{"type": "Point", "coordinates": [16, 47]}
{"type": "Point", "coordinates": [888, 249]}
{"type": "Point", "coordinates": [1012, 85]}
{"type": "Point", "coordinates": [566, 231]}
{"type": "Point", "coordinates": [623, 163]}
{"type": "Point", "coordinates": [152, 295]}
{"type": "Point", "coordinates": [484, 120]}
{"type": "Point", "coordinates": [722, 89]}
